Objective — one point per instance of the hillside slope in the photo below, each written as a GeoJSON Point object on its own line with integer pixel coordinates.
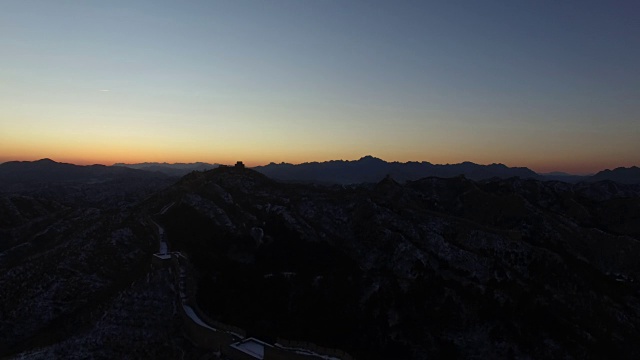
{"type": "Point", "coordinates": [433, 268]}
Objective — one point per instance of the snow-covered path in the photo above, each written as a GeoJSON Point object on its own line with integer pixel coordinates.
{"type": "Point", "coordinates": [163, 242]}
{"type": "Point", "coordinates": [166, 208]}
{"type": "Point", "coordinates": [163, 250]}
{"type": "Point", "coordinates": [192, 314]}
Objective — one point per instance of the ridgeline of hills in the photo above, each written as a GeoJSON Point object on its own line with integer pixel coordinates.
{"type": "Point", "coordinates": [69, 183]}
{"type": "Point", "coordinates": [367, 169]}
{"type": "Point", "coordinates": [437, 267]}
{"type": "Point", "coordinates": [371, 169]}
{"type": "Point", "coordinates": [49, 171]}
{"type": "Point", "coordinates": [623, 175]}
{"type": "Point", "coordinates": [18, 174]}
{"type": "Point", "coordinates": [176, 169]}
{"type": "Point", "coordinates": [433, 268]}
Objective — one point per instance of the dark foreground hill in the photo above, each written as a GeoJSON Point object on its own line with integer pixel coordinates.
{"type": "Point", "coordinates": [75, 274]}
{"type": "Point", "coordinates": [435, 268]}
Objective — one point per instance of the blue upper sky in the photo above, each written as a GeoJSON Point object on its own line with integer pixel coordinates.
{"type": "Point", "coordinates": [553, 85]}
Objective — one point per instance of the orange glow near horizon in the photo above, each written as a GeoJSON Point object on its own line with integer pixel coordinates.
{"type": "Point", "coordinates": [82, 153]}
{"type": "Point", "coordinates": [219, 82]}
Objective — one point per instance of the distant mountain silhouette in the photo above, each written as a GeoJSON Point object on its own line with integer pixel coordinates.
{"type": "Point", "coordinates": [368, 169]}
{"type": "Point", "coordinates": [564, 177]}
{"type": "Point", "coordinates": [622, 175]}
{"type": "Point", "coordinates": [372, 169]}
{"type": "Point", "coordinates": [176, 169]}
{"type": "Point", "coordinates": [19, 175]}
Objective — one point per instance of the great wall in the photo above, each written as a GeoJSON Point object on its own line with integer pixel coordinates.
{"type": "Point", "coordinates": [226, 341]}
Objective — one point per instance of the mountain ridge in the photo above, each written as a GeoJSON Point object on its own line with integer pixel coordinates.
{"type": "Point", "coordinates": [175, 169]}
{"type": "Point", "coordinates": [485, 250]}
{"type": "Point", "coordinates": [47, 174]}
{"type": "Point", "coordinates": [431, 268]}
{"type": "Point", "coordinates": [365, 169]}
{"type": "Point", "coordinates": [372, 169]}
{"type": "Point", "coordinates": [60, 171]}
{"type": "Point", "coordinates": [630, 175]}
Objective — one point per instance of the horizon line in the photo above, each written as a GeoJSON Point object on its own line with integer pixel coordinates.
{"type": "Point", "coordinates": [316, 161]}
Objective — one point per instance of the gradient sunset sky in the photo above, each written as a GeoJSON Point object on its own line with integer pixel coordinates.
{"type": "Point", "coordinates": [551, 85]}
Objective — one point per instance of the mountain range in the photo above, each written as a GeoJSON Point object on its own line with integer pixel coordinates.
{"type": "Point", "coordinates": [46, 174]}
{"type": "Point", "coordinates": [433, 268]}
{"type": "Point", "coordinates": [47, 171]}
{"type": "Point", "coordinates": [371, 169]}
{"type": "Point", "coordinates": [437, 267]}
{"type": "Point", "coordinates": [175, 169]}
{"type": "Point", "coordinates": [69, 183]}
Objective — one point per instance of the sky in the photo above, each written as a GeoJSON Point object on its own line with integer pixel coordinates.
{"type": "Point", "coordinates": [551, 85]}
